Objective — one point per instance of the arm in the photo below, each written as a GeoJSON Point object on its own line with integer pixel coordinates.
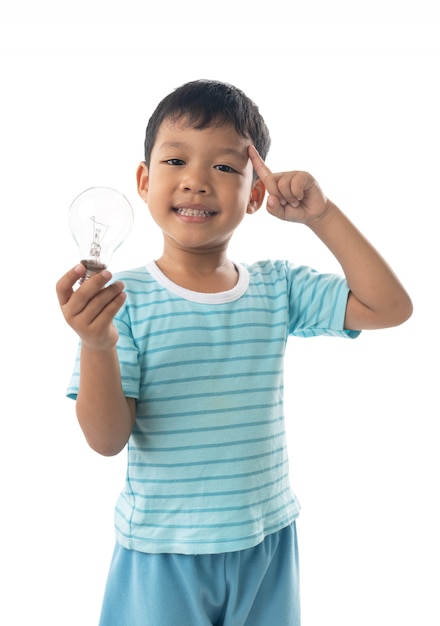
{"type": "Point", "coordinates": [377, 299]}
{"type": "Point", "coordinates": [105, 415]}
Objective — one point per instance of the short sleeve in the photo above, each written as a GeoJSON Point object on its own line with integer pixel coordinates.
{"type": "Point", "coordinates": [317, 303]}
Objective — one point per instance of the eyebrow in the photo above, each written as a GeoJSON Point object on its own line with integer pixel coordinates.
{"type": "Point", "coordinates": [223, 150]}
{"type": "Point", "coordinates": [172, 144]}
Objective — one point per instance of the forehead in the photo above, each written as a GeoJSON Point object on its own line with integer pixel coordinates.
{"type": "Point", "coordinates": [219, 137]}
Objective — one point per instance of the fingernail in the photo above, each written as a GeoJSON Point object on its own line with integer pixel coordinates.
{"type": "Point", "coordinates": [106, 274]}
{"type": "Point", "coordinates": [79, 269]}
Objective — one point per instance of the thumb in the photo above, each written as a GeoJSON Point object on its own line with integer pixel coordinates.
{"type": "Point", "coordinates": [64, 286]}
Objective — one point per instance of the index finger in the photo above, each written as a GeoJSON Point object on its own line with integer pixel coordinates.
{"type": "Point", "coordinates": [259, 165]}
{"type": "Point", "coordinates": [263, 172]}
{"type": "Point", "coordinates": [65, 284]}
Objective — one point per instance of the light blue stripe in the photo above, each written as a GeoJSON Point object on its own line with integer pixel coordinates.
{"type": "Point", "coordinates": [219, 377]}
{"type": "Point", "coordinates": [209, 429]}
{"type": "Point", "coordinates": [196, 479]}
{"type": "Point", "coordinates": [225, 509]}
{"type": "Point", "coordinates": [215, 344]}
{"type": "Point", "coordinates": [217, 411]}
{"type": "Point", "coordinates": [242, 523]}
{"type": "Point", "coordinates": [208, 313]}
{"type": "Point", "coordinates": [190, 464]}
{"type": "Point", "coordinates": [211, 494]}
{"type": "Point", "coordinates": [206, 446]}
{"type": "Point", "coordinates": [252, 326]}
{"type": "Point", "coordinates": [229, 359]}
{"type": "Point", "coordinates": [214, 394]}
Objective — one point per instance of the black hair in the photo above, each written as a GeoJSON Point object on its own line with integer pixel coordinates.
{"type": "Point", "coordinates": [205, 103]}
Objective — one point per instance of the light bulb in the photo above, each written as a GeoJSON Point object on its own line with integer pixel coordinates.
{"type": "Point", "coordinates": [100, 219]}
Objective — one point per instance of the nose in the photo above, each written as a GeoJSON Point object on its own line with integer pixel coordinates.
{"type": "Point", "coordinates": [195, 180]}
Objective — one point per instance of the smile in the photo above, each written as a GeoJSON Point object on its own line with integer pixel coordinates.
{"type": "Point", "coordinates": [194, 212]}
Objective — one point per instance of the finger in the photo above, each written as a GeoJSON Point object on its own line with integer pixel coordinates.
{"type": "Point", "coordinates": [259, 165]}
{"type": "Point", "coordinates": [104, 300]}
{"type": "Point", "coordinates": [64, 285]}
{"type": "Point", "coordinates": [102, 316]}
{"type": "Point", "coordinates": [263, 172]}
{"type": "Point", "coordinates": [92, 290]}
{"type": "Point", "coordinates": [291, 187]}
{"type": "Point", "coordinates": [275, 207]}
{"type": "Point", "coordinates": [300, 184]}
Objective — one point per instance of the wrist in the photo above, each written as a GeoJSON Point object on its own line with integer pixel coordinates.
{"type": "Point", "coordinates": [324, 219]}
{"type": "Point", "coordinates": [100, 350]}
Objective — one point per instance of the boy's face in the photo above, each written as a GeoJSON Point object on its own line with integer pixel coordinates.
{"type": "Point", "coordinates": [199, 185]}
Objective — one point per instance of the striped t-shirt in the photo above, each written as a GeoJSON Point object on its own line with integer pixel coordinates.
{"type": "Point", "coordinates": [207, 460]}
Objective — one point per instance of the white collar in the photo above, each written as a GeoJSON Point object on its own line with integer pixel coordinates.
{"type": "Point", "coordinates": [221, 297]}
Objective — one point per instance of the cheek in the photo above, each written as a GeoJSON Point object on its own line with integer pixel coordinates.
{"type": "Point", "coordinates": [241, 191]}
{"type": "Point", "coordinates": [155, 192]}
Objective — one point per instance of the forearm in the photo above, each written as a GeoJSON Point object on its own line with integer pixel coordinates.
{"type": "Point", "coordinates": [105, 415]}
{"type": "Point", "coordinates": [377, 300]}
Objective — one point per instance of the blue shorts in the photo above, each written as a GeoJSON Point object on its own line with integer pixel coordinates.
{"type": "Point", "coordinates": [254, 587]}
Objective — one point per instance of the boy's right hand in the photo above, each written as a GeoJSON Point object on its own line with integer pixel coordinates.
{"type": "Point", "coordinates": [91, 308]}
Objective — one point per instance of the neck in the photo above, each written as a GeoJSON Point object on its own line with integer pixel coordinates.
{"type": "Point", "coordinates": [207, 272]}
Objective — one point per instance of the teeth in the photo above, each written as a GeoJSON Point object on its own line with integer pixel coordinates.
{"type": "Point", "coordinates": [194, 212]}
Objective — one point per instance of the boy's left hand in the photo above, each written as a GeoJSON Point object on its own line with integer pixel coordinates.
{"type": "Point", "coordinates": [293, 196]}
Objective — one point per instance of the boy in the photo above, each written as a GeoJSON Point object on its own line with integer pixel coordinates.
{"type": "Point", "coordinates": [183, 361]}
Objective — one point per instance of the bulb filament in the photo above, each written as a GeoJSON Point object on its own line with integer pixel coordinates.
{"type": "Point", "coordinates": [99, 231]}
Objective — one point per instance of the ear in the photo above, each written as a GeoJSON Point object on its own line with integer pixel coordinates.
{"type": "Point", "coordinates": [142, 179]}
{"type": "Point", "coordinates": [257, 196]}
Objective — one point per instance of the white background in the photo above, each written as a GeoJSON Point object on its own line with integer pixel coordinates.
{"type": "Point", "coordinates": [350, 93]}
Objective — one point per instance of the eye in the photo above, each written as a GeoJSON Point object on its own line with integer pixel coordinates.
{"type": "Point", "coordinates": [175, 162]}
{"type": "Point", "coordinates": [225, 168]}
